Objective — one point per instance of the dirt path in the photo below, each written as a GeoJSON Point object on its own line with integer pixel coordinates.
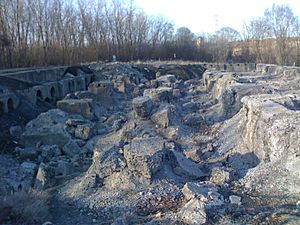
{"type": "Point", "coordinates": [67, 213]}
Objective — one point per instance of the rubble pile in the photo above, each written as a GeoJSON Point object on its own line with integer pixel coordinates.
{"type": "Point", "coordinates": [169, 144]}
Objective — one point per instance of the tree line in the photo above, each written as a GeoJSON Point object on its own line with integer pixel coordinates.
{"type": "Point", "coordinates": [59, 32]}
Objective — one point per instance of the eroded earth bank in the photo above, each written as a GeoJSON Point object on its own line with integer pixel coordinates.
{"type": "Point", "coordinates": [164, 144]}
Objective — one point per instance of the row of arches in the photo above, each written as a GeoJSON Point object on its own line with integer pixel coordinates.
{"type": "Point", "coordinates": [60, 89]}
{"type": "Point", "coordinates": [40, 96]}
{"type": "Point", "coordinates": [78, 84]}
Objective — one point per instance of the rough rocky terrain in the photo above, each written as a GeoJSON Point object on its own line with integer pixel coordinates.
{"type": "Point", "coordinates": [165, 144]}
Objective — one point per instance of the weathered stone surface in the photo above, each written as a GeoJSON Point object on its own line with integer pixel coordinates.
{"type": "Point", "coordinates": [29, 169]}
{"type": "Point", "coordinates": [119, 221]}
{"type": "Point", "coordinates": [166, 80]}
{"type": "Point", "coordinates": [184, 166]}
{"type": "Point", "coordinates": [235, 200]}
{"type": "Point", "coordinates": [193, 153]}
{"type": "Point", "coordinates": [44, 177]}
{"type": "Point", "coordinates": [122, 180]}
{"type": "Point", "coordinates": [63, 168]}
{"type": "Point", "coordinates": [106, 162]}
{"type": "Point", "coordinates": [117, 124]}
{"type": "Point", "coordinates": [219, 176]}
{"type": "Point", "coordinates": [15, 131]}
{"type": "Point", "coordinates": [84, 131]}
{"type": "Point", "coordinates": [30, 153]}
{"type": "Point", "coordinates": [142, 106]}
{"type": "Point", "coordinates": [193, 120]}
{"type": "Point", "coordinates": [47, 223]}
{"type": "Point", "coordinates": [82, 107]}
{"type": "Point", "coordinates": [90, 182]}
{"type": "Point", "coordinates": [207, 193]}
{"type": "Point", "coordinates": [193, 212]}
{"type": "Point", "coordinates": [48, 152]}
{"type": "Point", "coordinates": [76, 121]}
{"type": "Point", "coordinates": [267, 127]}
{"type": "Point", "coordinates": [230, 129]}
{"type": "Point", "coordinates": [30, 166]}
{"type": "Point", "coordinates": [103, 88]}
{"type": "Point", "coordinates": [144, 156]}
{"type": "Point", "coordinates": [48, 129]}
{"type": "Point", "coordinates": [160, 94]}
{"type": "Point", "coordinates": [165, 116]}
{"type": "Point", "coordinates": [176, 93]}
{"type": "Point", "coordinates": [71, 148]}
{"type": "Point", "coordinates": [173, 133]}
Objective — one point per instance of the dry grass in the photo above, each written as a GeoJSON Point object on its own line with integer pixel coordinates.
{"type": "Point", "coordinates": [24, 208]}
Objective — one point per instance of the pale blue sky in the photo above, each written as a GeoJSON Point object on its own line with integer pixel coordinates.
{"type": "Point", "coordinates": [208, 15]}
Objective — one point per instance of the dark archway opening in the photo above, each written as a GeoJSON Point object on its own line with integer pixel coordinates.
{"type": "Point", "coordinates": [1, 107]}
{"type": "Point", "coordinates": [52, 92]}
{"type": "Point", "coordinates": [39, 94]}
{"type": "Point", "coordinates": [86, 83]}
{"type": "Point", "coordinates": [10, 105]}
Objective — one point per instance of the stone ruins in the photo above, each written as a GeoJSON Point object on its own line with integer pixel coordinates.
{"type": "Point", "coordinates": [157, 143]}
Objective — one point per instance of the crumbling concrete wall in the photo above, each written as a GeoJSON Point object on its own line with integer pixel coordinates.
{"type": "Point", "coordinates": [230, 67]}
{"type": "Point", "coordinates": [39, 75]}
{"type": "Point", "coordinates": [50, 84]}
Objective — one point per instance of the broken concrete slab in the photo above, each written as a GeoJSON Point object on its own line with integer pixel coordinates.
{"type": "Point", "coordinates": [82, 107]}
{"type": "Point", "coordinates": [165, 116]}
{"type": "Point", "coordinates": [84, 131]}
{"type": "Point", "coordinates": [207, 193]}
{"type": "Point", "coordinates": [48, 129]}
{"type": "Point", "coordinates": [45, 177]}
{"type": "Point", "coordinates": [144, 156]}
{"type": "Point", "coordinates": [160, 94]}
{"type": "Point", "coordinates": [186, 167]}
{"type": "Point", "coordinates": [142, 106]}
{"type": "Point", "coordinates": [193, 212]}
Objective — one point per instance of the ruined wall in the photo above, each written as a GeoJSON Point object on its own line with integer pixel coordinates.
{"type": "Point", "coordinates": [230, 67]}
{"type": "Point", "coordinates": [50, 85]}
{"type": "Point", "coordinates": [8, 101]}
{"type": "Point", "coordinates": [38, 76]}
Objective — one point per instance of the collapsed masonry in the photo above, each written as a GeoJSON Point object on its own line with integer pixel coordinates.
{"type": "Point", "coordinates": [169, 144]}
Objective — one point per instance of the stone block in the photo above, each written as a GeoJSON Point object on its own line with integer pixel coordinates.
{"type": "Point", "coordinates": [82, 107]}
{"type": "Point", "coordinates": [145, 156]}
{"type": "Point", "coordinates": [142, 106]}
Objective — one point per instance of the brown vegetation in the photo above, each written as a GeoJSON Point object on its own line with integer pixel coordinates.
{"type": "Point", "coordinates": [24, 208]}
{"type": "Point", "coordinates": [58, 32]}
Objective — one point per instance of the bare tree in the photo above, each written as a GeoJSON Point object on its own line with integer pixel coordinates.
{"type": "Point", "coordinates": [223, 42]}
{"type": "Point", "coordinates": [255, 32]}
{"type": "Point", "coordinates": [185, 43]}
{"type": "Point", "coordinates": [296, 42]}
{"type": "Point", "coordinates": [281, 20]}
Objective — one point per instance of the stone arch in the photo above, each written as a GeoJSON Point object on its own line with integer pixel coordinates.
{"type": "Point", "coordinates": [52, 92]}
{"type": "Point", "coordinates": [2, 108]}
{"type": "Point", "coordinates": [10, 105]}
{"type": "Point", "coordinates": [39, 94]}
